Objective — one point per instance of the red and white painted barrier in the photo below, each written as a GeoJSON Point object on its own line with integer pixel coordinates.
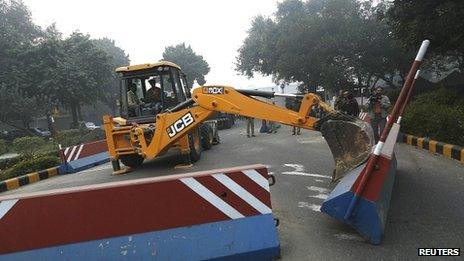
{"type": "Point", "coordinates": [215, 214]}
{"type": "Point", "coordinates": [362, 197]}
{"type": "Point", "coordinates": [83, 156]}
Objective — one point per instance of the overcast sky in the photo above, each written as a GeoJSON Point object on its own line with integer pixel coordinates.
{"type": "Point", "coordinates": [214, 29]}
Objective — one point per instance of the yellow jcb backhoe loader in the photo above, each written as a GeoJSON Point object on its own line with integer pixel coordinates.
{"type": "Point", "coordinates": [159, 112]}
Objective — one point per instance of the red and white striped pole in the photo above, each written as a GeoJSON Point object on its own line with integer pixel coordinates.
{"type": "Point", "coordinates": [408, 97]}
{"type": "Point", "coordinates": [399, 107]}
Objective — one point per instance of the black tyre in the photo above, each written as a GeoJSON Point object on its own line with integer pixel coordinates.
{"type": "Point", "coordinates": [132, 160]}
{"type": "Point", "coordinates": [195, 145]}
{"type": "Point", "coordinates": [206, 132]}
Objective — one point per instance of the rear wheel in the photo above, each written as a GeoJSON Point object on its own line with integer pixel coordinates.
{"type": "Point", "coordinates": [132, 160]}
{"type": "Point", "coordinates": [194, 140]}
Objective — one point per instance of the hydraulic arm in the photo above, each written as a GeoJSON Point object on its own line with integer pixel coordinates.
{"type": "Point", "coordinates": [349, 139]}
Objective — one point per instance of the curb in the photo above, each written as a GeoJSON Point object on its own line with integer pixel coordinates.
{"type": "Point", "coordinates": [23, 180]}
{"type": "Point", "coordinates": [448, 150]}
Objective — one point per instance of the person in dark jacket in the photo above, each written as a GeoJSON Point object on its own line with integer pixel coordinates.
{"type": "Point", "coordinates": [349, 105]}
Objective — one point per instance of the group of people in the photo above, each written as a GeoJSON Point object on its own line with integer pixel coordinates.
{"type": "Point", "coordinates": [378, 105]}
{"type": "Point", "coordinates": [266, 127]}
{"type": "Point", "coordinates": [152, 100]}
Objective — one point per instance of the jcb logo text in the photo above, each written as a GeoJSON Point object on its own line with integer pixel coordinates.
{"type": "Point", "coordinates": [180, 125]}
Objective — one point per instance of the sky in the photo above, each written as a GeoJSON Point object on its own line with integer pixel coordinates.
{"type": "Point", "coordinates": [143, 28]}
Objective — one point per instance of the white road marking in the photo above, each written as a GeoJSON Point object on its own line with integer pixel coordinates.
{"type": "Point", "coordinates": [322, 193]}
{"type": "Point", "coordinates": [209, 196]}
{"type": "Point", "coordinates": [305, 174]}
{"type": "Point", "coordinates": [318, 180]}
{"type": "Point", "coordinates": [242, 193]}
{"type": "Point", "coordinates": [299, 171]}
{"type": "Point", "coordinates": [344, 236]}
{"type": "Point", "coordinates": [318, 189]}
{"type": "Point", "coordinates": [297, 167]}
{"type": "Point", "coordinates": [320, 196]}
{"type": "Point", "coordinates": [313, 207]}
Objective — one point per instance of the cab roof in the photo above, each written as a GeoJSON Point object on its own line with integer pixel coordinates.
{"type": "Point", "coordinates": [145, 66]}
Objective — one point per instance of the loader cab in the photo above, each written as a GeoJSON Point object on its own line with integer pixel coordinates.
{"type": "Point", "coordinates": [149, 89]}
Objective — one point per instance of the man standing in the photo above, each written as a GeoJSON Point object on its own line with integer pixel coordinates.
{"type": "Point", "coordinates": [378, 105]}
{"type": "Point", "coordinates": [349, 105]}
{"type": "Point", "coordinates": [250, 127]}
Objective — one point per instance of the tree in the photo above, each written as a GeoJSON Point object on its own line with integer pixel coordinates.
{"type": "Point", "coordinates": [192, 64]}
{"type": "Point", "coordinates": [80, 73]}
{"type": "Point", "coordinates": [438, 21]}
{"type": "Point", "coordinates": [40, 69]}
{"type": "Point", "coordinates": [19, 34]}
{"type": "Point", "coordinates": [117, 58]}
{"type": "Point", "coordinates": [333, 43]}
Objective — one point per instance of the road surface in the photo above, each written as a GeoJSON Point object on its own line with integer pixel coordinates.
{"type": "Point", "coordinates": [427, 206]}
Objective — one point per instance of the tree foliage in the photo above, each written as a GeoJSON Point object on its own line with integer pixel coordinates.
{"type": "Point", "coordinates": [333, 43]}
{"type": "Point", "coordinates": [18, 36]}
{"type": "Point", "coordinates": [192, 64]}
{"type": "Point", "coordinates": [117, 58]}
{"type": "Point", "coordinates": [438, 21]}
{"type": "Point", "coordinates": [436, 114]}
{"type": "Point", "coordinates": [42, 69]}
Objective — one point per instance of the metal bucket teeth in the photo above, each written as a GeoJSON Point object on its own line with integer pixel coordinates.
{"type": "Point", "coordinates": [350, 140]}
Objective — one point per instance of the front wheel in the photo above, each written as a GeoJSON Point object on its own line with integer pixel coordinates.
{"type": "Point", "coordinates": [194, 140]}
{"type": "Point", "coordinates": [132, 160]}
{"type": "Point", "coordinates": [206, 136]}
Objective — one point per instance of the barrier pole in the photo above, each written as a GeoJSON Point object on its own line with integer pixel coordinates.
{"type": "Point", "coordinates": [400, 102]}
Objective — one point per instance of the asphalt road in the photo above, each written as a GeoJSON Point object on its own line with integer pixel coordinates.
{"type": "Point", "coordinates": [427, 206]}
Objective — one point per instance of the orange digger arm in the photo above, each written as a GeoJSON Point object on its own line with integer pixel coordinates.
{"type": "Point", "coordinates": [230, 100]}
{"type": "Point", "coordinates": [171, 126]}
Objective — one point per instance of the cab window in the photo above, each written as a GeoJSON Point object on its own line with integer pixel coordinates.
{"type": "Point", "coordinates": [169, 93]}
{"type": "Point", "coordinates": [183, 82]}
{"type": "Point", "coordinates": [178, 86]}
{"type": "Point", "coordinates": [135, 93]}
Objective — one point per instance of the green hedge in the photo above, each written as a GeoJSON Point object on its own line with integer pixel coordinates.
{"type": "Point", "coordinates": [3, 147]}
{"type": "Point", "coordinates": [438, 115]}
{"type": "Point", "coordinates": [75, 137]}
{"type": "Point", "coordinates": [69, 138]}
{"type": "Point", "coordinates": [30, 165]}
{"type": "Point", "coordinates": [95, 135]}
{"type": "Point", "coordinates": [28, 146]}
{"type": "Point", "coordinates": [8, 163]}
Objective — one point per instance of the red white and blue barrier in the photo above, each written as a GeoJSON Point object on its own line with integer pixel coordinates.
{"type": "Point", "coordinates": [84, 156]}
{"type": "Point", "coordinates": [362, 197]}
{"type": "Point", "coordinates": [369, 215]}
{"type": "Point", "coordinates": [222, 214]}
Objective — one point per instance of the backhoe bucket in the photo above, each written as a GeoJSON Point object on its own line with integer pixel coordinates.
{"type": "Point", "coordinates": [350, 140]}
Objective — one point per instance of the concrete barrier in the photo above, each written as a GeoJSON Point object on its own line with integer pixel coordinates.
{"type": "Point", "coordinates": [84, 156]}
{"type": "Point", "coordinates": [221, 214]}
{"type": "Point", "coordinates": [33, 177]}
{"type": "Point", "coordinates": [369, 213]}
{"type": "Point", "coordinates": [448, 150]}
